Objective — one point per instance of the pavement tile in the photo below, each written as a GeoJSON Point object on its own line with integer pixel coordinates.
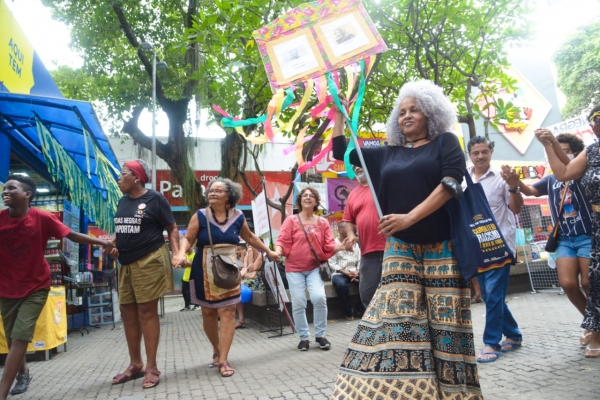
{"type": "Point", "coordinates": [550, 365]}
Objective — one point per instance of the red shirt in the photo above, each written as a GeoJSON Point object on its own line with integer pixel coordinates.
{"type": "Point", "coordinates": [360, 210]}
{"type": "Point", "coordinates": [23, 241]}
{"type": "Point", "coordinates": [298, 255]}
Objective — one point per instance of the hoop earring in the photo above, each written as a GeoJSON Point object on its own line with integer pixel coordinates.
{"type": "Point", "coordinates": [136, 181]}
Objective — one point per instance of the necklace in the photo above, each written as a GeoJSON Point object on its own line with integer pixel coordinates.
{"type": "Point", "coordinates": [410, 142]}
{"type": "Point", "coordinates": [215, 216]}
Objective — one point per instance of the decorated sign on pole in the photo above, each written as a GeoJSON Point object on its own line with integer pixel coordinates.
{"type": "Point", "coordinates": [259, 215]}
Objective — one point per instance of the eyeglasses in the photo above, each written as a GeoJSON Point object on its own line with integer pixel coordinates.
{"type": "Point", "coordinates": [308, 195]}
{"type": "Point", "coordinates": [217, 191]}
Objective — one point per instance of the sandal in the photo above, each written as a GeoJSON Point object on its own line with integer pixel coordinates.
{"type": "Point", "coordinates": [215, 362]}
{"type": "Point", "coordinates": [135, 373]}
{"type": "Point", "coordinates": [476, 300]}
{"type": "Point", "coordinates": [152, 380]}
{"type": "Point", "coordinates": [240, 325]}
{"type": "Point", "coordinates": [585, 338]}
{"type": "Point", "coordinates": [480, 358]}
{"type": "Point", "coordinates": [226, 370]}
{"type": "Point", "coordinates": [507, 346]}
{"type": "Point", "coordinates": [591, 353]}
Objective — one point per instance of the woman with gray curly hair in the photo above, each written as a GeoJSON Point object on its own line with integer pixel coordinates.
{"type": "Point", "coordinates": [227, 225]}
{"type": "Point", "coordinates": [417, 331]}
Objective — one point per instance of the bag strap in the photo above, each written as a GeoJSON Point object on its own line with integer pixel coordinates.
{"type": "Point", "coordinates": [309, 243]}
{"type": "Point", "coordinates": [560, 209]}
{"type": "Point", "coordinates": [212, 249]}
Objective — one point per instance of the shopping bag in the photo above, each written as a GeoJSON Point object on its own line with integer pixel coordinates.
{"type": "Point", "coordinates": [477, 243]}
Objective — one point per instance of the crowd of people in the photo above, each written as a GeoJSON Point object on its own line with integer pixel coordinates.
{"type": "Point", "coordinates": [414, 303]}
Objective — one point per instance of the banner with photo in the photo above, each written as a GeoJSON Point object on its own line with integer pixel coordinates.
{"type": "Point", "coordinates": [315, 38]}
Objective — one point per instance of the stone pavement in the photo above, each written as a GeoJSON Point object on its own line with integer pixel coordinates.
{"type": "Point", "coordinates": [550, 365]}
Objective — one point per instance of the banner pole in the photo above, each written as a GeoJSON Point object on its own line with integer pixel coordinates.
{"type": "Point", "coordinates": [364, 166]}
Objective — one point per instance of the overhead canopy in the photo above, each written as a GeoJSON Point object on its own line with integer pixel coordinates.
{"type": "Point", "coordinates": [65, 139]}
{"type": "Point", "coordinates": [65, 119]}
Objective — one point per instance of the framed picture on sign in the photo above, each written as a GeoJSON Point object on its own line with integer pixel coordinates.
{"type": "Point", "coordinates": [294, 56]}
{"type": "Point", "coordinates": [345, 36]}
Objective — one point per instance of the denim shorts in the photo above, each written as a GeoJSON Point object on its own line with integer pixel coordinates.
{"type": "Point", "coordinates": [574, 247]}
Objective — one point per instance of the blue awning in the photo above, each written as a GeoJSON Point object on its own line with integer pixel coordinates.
{"type": "Point", "coordinates": [65, 119]}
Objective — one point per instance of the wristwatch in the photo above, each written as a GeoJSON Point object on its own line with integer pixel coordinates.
{"type": "Point", "coordinates": [515, 191]}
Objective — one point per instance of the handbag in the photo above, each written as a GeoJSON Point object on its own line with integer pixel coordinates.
{"type": "Point", "coordinates": [552, 242]}
{"type": "Point", "coordinates": [324, 269]}
{"type": "Point", "coordinates": [477, 243]}
{"type": "Point", "coordinates": [226, 273]}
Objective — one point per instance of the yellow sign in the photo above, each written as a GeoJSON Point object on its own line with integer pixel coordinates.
{"type": "Point", "coordinates": [51, 326]}
{"type": "Point", "coordinates": [16, 54]}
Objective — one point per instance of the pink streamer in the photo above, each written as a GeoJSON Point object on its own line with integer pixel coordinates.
{"type": "Point", "coordinates": [292, 148]}
{"type": "Point", "coordinates": [316, 158]}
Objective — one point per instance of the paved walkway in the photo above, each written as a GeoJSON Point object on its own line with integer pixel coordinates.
{"type": "Point", "coordinates": [550, 365]}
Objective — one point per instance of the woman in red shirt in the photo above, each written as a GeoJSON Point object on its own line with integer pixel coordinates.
{"type": "Point", "coordinates": [301, 267]}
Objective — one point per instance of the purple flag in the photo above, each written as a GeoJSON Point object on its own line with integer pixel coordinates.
{"type": "Point", "coordinates": [338, 190]}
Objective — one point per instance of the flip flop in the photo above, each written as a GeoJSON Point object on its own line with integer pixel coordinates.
{"type": "Point", "coordinates": [488, 360]}
{"type": "Point", "coordinates": [510, 346]}
{"type": "Point", "coordinates": [588, 353]}
{"type": "Point", "coordinates": [585, 338]}
{"type": "Point", "coordinates": [240, 325]}
{"type": "Point", "coordinates": [226, 370]}
{"type": "Point", "coordinates": [215, 357]}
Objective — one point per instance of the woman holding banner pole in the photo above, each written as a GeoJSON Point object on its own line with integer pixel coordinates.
{"type": "Point", "coordinates": [417, 331]}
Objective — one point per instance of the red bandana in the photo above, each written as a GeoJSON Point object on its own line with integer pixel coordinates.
{"type": "Point", "coordinates": [137, 170]}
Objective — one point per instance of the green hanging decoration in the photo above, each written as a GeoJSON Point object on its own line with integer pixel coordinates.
{"type": "Point", "coordinates": [99, 204]}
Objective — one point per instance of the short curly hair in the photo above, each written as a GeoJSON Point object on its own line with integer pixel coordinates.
{"type": "Point", "coordinates": [234, 190]}
{"type": "Point", "coordinates": [574, 141]}
{"type": "Point", "coordinates": [434, 104]}
{"type": "Point", "coordinates": [314, 191]}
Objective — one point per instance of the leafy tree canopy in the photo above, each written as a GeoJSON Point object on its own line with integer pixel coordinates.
{"type": "Point", "coordinates": [578, 65]}
{"type": "Point", "coordinates": [212, 58]}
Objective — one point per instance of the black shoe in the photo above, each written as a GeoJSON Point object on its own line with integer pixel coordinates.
{"type": "Point", "coordinates": [22, 384]}
{"type": "Point", "coordinates": [195, 308]}
{"type": "Point", "coordinates": [303, 345]}
{"type": "Point", "coordinates": [323, 343]}
{"type": "Point", "coordinates": [185, 308]}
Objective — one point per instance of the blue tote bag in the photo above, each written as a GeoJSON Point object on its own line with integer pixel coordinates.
{"type": "Point", "coordinates": [477, 243]}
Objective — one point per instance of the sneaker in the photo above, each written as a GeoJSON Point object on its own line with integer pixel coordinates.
{"type": "Point", "coordinates": [303, 345]}
{"type": "Point", "coordinates": [195, 308]}
{"type": "Point", "coordinates": [185, 309]}
{"type": "Point", "coordinates": [323, 343]}
{"type": "Point", "coordinates": [22, 384]}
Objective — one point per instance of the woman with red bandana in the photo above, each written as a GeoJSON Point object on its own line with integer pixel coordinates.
{"type": "Point", "coordinates": [145, 273]}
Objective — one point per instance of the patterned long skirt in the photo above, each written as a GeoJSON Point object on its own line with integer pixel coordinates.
{"type": "Point", "coordinates": [415, 340]}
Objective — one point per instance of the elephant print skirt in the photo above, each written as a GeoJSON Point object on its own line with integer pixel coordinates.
{"type": "Point", "coordinates": [415, 340]}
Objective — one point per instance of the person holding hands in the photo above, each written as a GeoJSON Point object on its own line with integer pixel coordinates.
{"type": "Point", "coordinates": [25, 282]}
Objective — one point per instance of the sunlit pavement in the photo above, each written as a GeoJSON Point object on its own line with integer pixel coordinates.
{"type": "Point", "coordinates": [550, 365]}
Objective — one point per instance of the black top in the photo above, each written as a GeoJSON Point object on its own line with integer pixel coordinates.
{"type": "Point", "coordinates": [404, 177]}
{"type": "Point", "coordinates": [139, 225]}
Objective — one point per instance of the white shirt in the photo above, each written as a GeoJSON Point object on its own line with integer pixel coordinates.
{"type": "Point", "coordinates": [498, 196]}
{"type": "Point", "coordinates": [345, 260]}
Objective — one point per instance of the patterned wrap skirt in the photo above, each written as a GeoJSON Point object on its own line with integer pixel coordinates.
{"type": "Point", "coordinates": [415, 340]}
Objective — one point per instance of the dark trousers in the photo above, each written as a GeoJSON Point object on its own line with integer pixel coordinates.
{"type": "Point", "coordinates": [185, 292]}
{"type": "Point", "coordinates": [370, 275]}
{"type": "Point", "coordinates": [342, 287]}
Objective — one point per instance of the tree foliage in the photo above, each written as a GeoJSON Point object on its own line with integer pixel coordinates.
{"type": "Point", "coordinates": [578, 65]}
{"type": "Point", "coordinates": [212, 58]}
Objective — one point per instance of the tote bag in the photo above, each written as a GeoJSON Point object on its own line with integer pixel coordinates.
{"type": "Point", "coordinates": [477, 243]}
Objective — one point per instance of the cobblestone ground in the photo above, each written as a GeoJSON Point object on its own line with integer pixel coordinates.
{"type": "Point", "coordinates": [550, 365]}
